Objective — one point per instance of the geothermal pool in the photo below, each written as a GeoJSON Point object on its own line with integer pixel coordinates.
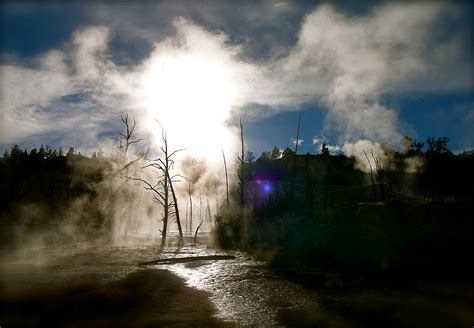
{"type": "Point", "coordinates": [242, 291]}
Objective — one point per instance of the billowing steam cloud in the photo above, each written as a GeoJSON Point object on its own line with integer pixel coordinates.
{"type": "Point", "coordinates": [348, 64]}
{"type": "Point", "coordinates": [195, 77]}
{"type": "Point", "coordinates": [192, 79]}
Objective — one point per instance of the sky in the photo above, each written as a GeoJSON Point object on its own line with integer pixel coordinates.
{"type": "Point", "coordinates": [360, 73]}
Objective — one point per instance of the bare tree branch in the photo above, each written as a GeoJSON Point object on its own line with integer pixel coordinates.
{"type": "Point", "coordinates": [371, 175]}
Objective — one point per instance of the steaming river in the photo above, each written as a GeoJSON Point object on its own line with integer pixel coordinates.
{"type": "Point", "coordinates": [244, 292]}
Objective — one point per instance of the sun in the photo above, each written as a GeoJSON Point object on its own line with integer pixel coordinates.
{"type": "Point", "coordinates": [191, 95]}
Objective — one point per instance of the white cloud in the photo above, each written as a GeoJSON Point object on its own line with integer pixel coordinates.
{"type": "Point", "coordinates": [318, 141]}
{"type": "Point", "coordinates": [40, 100]}
{"type": "Point", "coordinates": [26, 93]}
{"type": "Point", "coordinates": [90, 46]}
{"type": "Point", "coordinates": [347, 63]}
{"type": "Point", "coordinates": [54, 61]}
{"type": "Point", "coordinates": [300, 141]}
{"type": "Point", "coordinates": [344, 62]}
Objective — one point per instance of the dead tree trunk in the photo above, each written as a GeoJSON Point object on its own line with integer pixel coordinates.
{"type": "Point", "coordinates": [371, 176]}
{"type": "Point", "coordinates": [164, 187]}
{"type": "Point", "coordinates": [200, 219]}
{"type": "Point", "coordinates": [226, 179]}
{"type": "Point", "coordinates": [209, 216]}
{"type": "Point", "coordinates": [176, 210]}
{"type": "Point", "coordinates": [380, 176]}
{"type": "Point", "coordinates": [160, 196]}
{"type": "Point", "coordinates": [165, 166]}
{"type": "Point", "coordinates": [196, 232]}
{"type": "Point", "coordinates": [165, 215]}
{"type": "Point", "coordinates": [166, 205]}
{"type": "Point", "coordinates": [308, 178]}
{"type": "Point", "coordinates": [241, 164]}
{"type": "Point", "coordinates": [190, 208]}
{"type": "Point", "coordinates": [292, 190]}
{"type": "Point", "coordinates": [186, 220]}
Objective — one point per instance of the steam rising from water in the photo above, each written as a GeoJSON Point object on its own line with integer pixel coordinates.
{"type": "Point", "coordinates": [195, 78]}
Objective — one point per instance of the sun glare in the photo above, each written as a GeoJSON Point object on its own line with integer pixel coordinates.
{"type": "Point", "coordinates": [191, 96]}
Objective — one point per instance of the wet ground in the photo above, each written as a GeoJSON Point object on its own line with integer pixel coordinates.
{"type": "Point", "coordinates": [239, 291]}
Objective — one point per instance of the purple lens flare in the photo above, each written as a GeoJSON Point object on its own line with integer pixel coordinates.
{"type": "Point", "coordinates": [267, 187]}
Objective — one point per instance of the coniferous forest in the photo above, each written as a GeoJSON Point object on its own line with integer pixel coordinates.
{"type": "Point", "coordinates": [298, 210]}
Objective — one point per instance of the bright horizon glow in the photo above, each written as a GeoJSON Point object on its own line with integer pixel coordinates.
{"type": "Point", "coordinates": [191, 95]}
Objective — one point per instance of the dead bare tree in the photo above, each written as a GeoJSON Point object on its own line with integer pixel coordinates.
{"type": "Point", "coordinates": [371, 175]}
{"type": "Point", "coordinates": [125, 140]}
{"type": "Point", "coordinates": [226, 179]}
{"type": "Point", "coordinates": [190, 206]}
{"type": "Point", "coordinates": [125, 137]}
{"type": "Point", "coordinates": [380, 175]}
{"type": "Point", "coordinates": [241, 159]}
{"type": "Point", "coordinates": [176, 209]}
{"type": "Point", "coordinates": [163, 191]}
{"type": "Point", "coordinates": [294, 159]}
{"type": "Point", "coordinates": [201, 217]}
{"type": "Point", "coordinates": [186, 218]}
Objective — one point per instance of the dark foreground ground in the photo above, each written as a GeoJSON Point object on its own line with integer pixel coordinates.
{"type": "Point", "coordinates": [156, 298]}
{"type": "Point", "coordinates": [192, 286]}
{"type": "Point", "coordinates": [424, 303]}
{"type": "Point", "coordinates": [146, 298]}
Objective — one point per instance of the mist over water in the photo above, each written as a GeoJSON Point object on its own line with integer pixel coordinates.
{"type": "Point", "coordinates": [141, 111]}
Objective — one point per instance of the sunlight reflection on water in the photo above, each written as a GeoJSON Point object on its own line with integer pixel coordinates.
{"type": "Point", "coordinates": [243, 290]}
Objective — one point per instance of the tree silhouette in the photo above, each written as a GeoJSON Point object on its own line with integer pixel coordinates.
{"type": "Point", "coordinates": [380, 175]}
{"type": "Point", "coordinates": [265, 156]}
{"type": "Point", "coordinates": [163, 190]}
{"type": "Point", "coordinates": [325, 150]}
{"type": "Point", "coordinates": [226, 180]}
{"type": "Point", "coordinates": [275, 154]}
{"type": "Point", "coordinates": [288, 153]}
{"type": "Point", "coordinates": [250, 157]}
{"type": "Point", "coordinates": [125, 138]}
{"type": "Point", "coordinates": [371, 176]}
{"type": "Point", "coordinates": [292, 188]}
{"type": "Point", "coordinates": [241, 160]}
{"type": "Point", "coordinates": [439, 146]}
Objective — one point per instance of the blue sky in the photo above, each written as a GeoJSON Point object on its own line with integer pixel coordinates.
{"type": "Point", "coordinates": [356, 71]}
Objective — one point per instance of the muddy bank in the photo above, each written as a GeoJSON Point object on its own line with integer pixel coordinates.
{"type": "Point", "coordinates": [142, 298]}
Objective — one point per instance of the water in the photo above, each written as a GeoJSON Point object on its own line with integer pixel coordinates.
{"type": "Point", "coordinates": [244, 291]}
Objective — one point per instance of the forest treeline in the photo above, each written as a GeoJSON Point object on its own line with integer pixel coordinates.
{"type": "Point", "coordinates": [409, 212]}
{"type": "Point", "coordinates": [413, 209]}
{"type": "Point", "coordinates": [412, 174]}
{"type": "Point", "coordinates": [38, 187]}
